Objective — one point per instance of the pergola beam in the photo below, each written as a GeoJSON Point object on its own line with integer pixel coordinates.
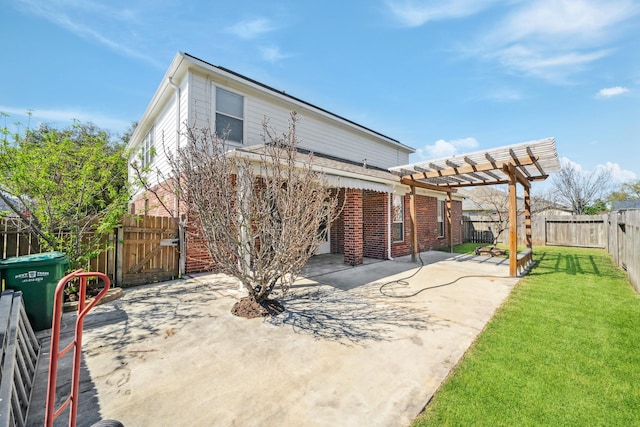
{"type": "Point", "coordinates": [483, 167]}
{"type": "Point", "coordinates": [517, 164]}
{"type": "Point", "coordinates": [411, 182]}
{"type": "Point", "coordinates": [536, 164]}
{"type": "Point", "coordinates": [510, 169]}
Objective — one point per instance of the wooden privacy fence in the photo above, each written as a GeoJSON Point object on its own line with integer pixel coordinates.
{"type": "Point", "coordinates": [144, 249]}
{"type": "Point", "coordinates": [147, 250]}
{"type": "Point", "coordinates": [624, 242]}
{"type": "Point", "coordinates": [588, 231]}
{"type": "Point", "coordinates": [16, 238]}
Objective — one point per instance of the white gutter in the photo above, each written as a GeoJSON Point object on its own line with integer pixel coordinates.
{"type": "Point", "coordinates": [182, 262]}
{"type": "Point", "coordinates": [176, 205]}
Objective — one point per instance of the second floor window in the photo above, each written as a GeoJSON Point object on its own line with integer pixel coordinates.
{"type": "Point", "coordinates": [148, 148]}
{"type": "Point", "coordinates": [229, 115]}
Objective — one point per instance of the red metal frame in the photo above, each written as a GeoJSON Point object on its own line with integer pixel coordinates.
{"type": "Point", "coordinates": [76, 344]}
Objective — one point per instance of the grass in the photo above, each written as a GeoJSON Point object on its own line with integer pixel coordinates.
{"type": "Point", "coordinates": [564, 350]}
{"type": "Point", "coordinates": [464, 248]}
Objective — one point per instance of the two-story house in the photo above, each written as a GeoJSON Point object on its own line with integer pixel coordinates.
{"type": "Point", "coordinates": [354, 158]}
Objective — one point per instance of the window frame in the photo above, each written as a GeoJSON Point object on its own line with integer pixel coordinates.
{"type": "Point", "coordinates": [394, 217]}
{"type": "Point", "coordinates": [148, 148]}
{"type": "Point", "coordinates": [217, 112]}
{"type": "Point", "coordinates": [440, 218]}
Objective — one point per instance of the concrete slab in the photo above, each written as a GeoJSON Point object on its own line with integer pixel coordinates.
{"type": "Point", "coordinates": [343, 353]}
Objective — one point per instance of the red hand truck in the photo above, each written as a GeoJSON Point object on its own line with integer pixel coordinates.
{"type": "Point", "coordinates": [71, 401]}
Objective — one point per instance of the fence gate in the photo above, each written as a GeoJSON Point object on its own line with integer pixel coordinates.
{"type": "Point", "coordinates": [148, 250]}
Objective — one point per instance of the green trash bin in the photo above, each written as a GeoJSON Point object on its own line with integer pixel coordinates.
{"type": "Point", "coordinates": [36, 276]}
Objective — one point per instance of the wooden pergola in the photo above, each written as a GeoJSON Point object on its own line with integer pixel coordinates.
{"type": "Point", "coordinates": [519, 163]}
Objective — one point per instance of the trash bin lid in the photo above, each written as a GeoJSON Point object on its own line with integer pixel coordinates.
{"type": "Point", "coordinates": [43, 258]}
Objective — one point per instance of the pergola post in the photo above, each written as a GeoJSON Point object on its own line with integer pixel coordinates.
{"type": "Point", "coordinates": [414, 225]}
{"type": "Point", "coordinates": [527, 216]}
{"type": "Point", "coordinates": [513, 223]}
{"type": "Point", "coordinates": [450, 220]}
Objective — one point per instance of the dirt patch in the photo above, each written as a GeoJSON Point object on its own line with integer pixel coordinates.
{"type": "Point", "coordinates": [250, 309]}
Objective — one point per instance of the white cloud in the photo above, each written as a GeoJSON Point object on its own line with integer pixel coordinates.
{"type": "Point", "coordinates": [63, 117]}
{"type": "Point", "coordinates": [554, 66]}
{"type": "Point", "coordinates": [567, 162]}
{"type": "Point", "coordinates": [442, 148]}
{"type": "Point", "coordinates": [554, 39]}
{"type": "Point", "coordinates": [618, 174]}
{"type": "Point", "coordinates": [273, 54]}
{"type": "Point", "coordinates": [608, 92]}
{"type": "Point", "coordinates": [108, 25]}
{"type": "Point", "coordinates": [571, 22]}
{"type": "Point", "coordinates": [252, 28]}
{"type": "Point", "coordinates": [412, 13]}
{"type": "Point", "coordinates": [504, 95]}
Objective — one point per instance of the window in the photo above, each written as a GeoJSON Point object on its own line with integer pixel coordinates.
{"type": "Point", "coordinates": [398, 218]}
{"type": "Point", "coordinates": [229, 115]}
{"type": "Point", "coordinates": [440, 218]}
{"type": "Point", "coordinates": [148, 148]}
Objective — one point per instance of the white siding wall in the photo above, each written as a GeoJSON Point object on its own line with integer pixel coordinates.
{"type": "Point", "coordinates": [315, 132]}
{"type": "Point", "coordinates": [201, 101]}
{"type": "Point", "coordinates": [165, 132]}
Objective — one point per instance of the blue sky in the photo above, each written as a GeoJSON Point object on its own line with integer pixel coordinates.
{"type": "Point", "coordinates": [444, 77]}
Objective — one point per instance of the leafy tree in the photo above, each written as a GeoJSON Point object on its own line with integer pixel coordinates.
{"type": "Point", "coordinates": [598, 207]}
{"type": "Point", "coordinates": [579, 189]}
{"type": "Point", "coordinates": [68, 185]}
{"type": "Point", "coordinates": [627, 191]}
{"type": "Point", "coordinates": [258, 209]}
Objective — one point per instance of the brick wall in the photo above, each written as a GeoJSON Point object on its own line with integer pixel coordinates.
{"type": "Point", "coordinates": [353, 227]}
{"type": "Point", "coordinates": [148, 203]}
{"type": "Point", "coordinates": [427, 219]}
{"type": "Point", "coordinates": [374, 211]}
{"type": "Point", "coordinates": [198, 257]}
{"type": "Point", "coordinates": [359, 231]}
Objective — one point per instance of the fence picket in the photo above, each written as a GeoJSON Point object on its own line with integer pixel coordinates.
{"type": "Point", "coordinates": [135, 244]}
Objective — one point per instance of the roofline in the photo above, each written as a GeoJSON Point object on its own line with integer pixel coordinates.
{"type": "Point", "coordinates": [157, 96]}
{"type": "Point", "coordinates": [297, 100]}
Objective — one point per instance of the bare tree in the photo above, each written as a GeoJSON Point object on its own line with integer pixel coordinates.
{"type": "Point", "coordinates": [493, 203]}
{"type": "Point", "coordinates": [258, 209]}
{"type": "Point", "coordinates": [579, 189]}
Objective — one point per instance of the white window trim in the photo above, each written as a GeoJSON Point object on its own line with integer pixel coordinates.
{"type": "Point", "coordinates": [244, 112]}
{"type": "Point", "coordinates": [393, 221]}
{"type": "Point", "coordinates": [440, 217]}
{"type": "Point", "coordinates": [148, 147]}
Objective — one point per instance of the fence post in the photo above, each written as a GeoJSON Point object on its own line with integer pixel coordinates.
{"type": "Point", "coordinates": [119, 254]}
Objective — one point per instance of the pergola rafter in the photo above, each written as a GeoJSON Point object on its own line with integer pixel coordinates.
{"type": "Point", "coordinates": [515, 164]}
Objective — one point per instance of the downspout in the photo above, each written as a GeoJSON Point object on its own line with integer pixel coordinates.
{"type": "Point", "coordinates": [182, 262]}
{"type": "Point", "coordinates": [176, 202]}
{"type": "Point", "coordinates": [389, 234]}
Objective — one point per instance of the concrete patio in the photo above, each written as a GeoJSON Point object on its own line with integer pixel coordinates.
{"type": "Point", "coordinates": [351, 349]}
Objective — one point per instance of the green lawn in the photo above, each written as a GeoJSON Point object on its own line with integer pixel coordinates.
{"type": "Point", "coordinates": [564, 350]}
